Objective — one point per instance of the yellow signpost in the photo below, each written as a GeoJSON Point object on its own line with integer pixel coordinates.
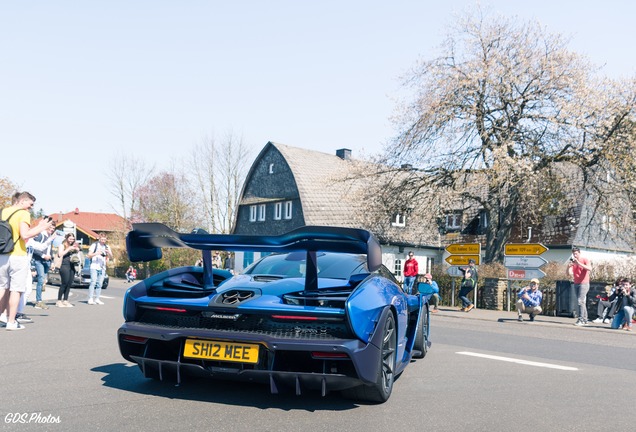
{"type": "Point", "coordinates": [458, 260]}
{"type": "Point", "coordinates": [524, 249]}
{"type": "Point", "coordinates": [464, 249]}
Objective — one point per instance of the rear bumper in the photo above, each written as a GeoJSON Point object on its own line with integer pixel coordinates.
{"type": "Point", "coordinates": [283, 362]}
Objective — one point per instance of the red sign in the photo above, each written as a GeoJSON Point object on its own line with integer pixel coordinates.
{"type": "Point", "coordinates": [516, 274]}
{"type": "Point", "coordinates": [525, 274]}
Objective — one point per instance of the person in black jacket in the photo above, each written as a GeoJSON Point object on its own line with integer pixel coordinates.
{"type": "Point", "coordinates": [625, 296]}
{"type": "Point", "coordinates": [468, 284]}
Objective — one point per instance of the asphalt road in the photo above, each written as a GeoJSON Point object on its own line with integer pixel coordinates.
{"type": "Point", "coordinates": [485, 371]}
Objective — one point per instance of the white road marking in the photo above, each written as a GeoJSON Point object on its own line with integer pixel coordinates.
{"type": "Point", "coordinates": [519, 361]}
{"type": "Point", "coordinates": [106, 297]}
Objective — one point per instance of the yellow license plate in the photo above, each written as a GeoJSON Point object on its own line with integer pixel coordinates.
{"type": "Point", "coordinates": [223, 351]}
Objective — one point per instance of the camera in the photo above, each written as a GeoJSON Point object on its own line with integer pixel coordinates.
{"type": "Point", "coordinates": [571, 259]}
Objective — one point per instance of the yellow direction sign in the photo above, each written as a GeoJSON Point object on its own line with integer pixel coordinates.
{"type": "Point", "coordinates": [457, 260]}
{"type": "Point", "coordinates": [464, 248]}
{"type": "Point", "coordinates": [524, 249]}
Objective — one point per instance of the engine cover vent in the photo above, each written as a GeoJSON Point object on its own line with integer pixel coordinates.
{"type": "Point", "coordinates": [234, 297]}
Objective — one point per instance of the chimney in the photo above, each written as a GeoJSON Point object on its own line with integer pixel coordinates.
{"type": "Point", "coordinates": [344, 154]}
{"type": "Point", "coordinates": [76, 210]}
{"type": "Point", "coordinates": [407, 167]}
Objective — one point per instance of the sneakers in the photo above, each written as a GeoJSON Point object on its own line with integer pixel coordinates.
{"type": "Point", "coordinates": [90, 301]}
{"type": "Point", "coordinates": [463, 309]}
{"type": "Point", "coordinates": [470, 307]}
{"type": "Point", "coordinates": [598, 320]}
{"type": "Point", "coordinates": [22, 318]}
{"type": "Point", "coordinates": [520, 318]}
{"type": "Point", "coordinates": [64, 303]}
{"type": "Point", "coordinates": [99, 302]}
{"type": "Point", "coordinates": [41, 305]}
{"type": "Point", "coordinates": [531, 317]}
{"type": "Point", "coordinates": [580, 323]}
{"type": "Point", "coordinates": [3, 318]}
{"type": "Point", "coordinates": [15, 326]}
{"type": "Point", "coordinates": [606, 321]}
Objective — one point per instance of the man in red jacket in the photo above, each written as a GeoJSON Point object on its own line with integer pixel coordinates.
{"type": "Point", "coordinates": [410, 273]}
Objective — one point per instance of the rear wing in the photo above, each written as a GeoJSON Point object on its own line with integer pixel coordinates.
{"type": "Point", "coordinates": [145, 241]}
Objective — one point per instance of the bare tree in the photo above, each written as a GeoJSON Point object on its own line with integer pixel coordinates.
{"type": "Point", "coordinates": [168, 198]}
{"type": "Point", "coordinates": [127, 175]}
{"type": "Point", "coordinates": [218, 171]}
{"type": "Point", "coordinates": [504, 109]}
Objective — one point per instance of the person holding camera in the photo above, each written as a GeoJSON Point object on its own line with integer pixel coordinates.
{"type": "Point", "coordinates": [529, 300]}
{"type": "Point", "coordinates": [625, 296]}
{"type": "Point", "coordinates": [605, 307]}
{"type": "Point", "coordinates": [579, 269]}
{"type": "Point", "coordinates": [99, 253]}
{"type": "Point", "coordinates": [468, 284]}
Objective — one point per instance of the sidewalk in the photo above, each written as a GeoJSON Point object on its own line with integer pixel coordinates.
{"type": "Point", "coordinates": [49, 296]}
{"type": "Point", "coordinates": [511, 318]}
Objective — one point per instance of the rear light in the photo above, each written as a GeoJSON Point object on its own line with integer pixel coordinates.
{"type": "Point", "coordinates": [165, 309]}
{"type": "Point", "coordinates": [136, 339]}
{"type": "Point", "coordinates": [322, 355]}
{"type": "Point", "coordinates": [169, 309]}
{"type": "Point", "coordinates": [295, 317]}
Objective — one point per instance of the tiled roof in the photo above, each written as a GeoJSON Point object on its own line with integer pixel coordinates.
{"type": "Point", "coordinates": [93, 222]}
{"type": "Point", "coordinates": [321, 186]}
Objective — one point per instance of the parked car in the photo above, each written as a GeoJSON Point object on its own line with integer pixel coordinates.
{"type": "Point", "coordinates": [81, 280]}
{"type": "Point", "coordinates": [320, 313]}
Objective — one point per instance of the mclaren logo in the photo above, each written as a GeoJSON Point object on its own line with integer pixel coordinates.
{"type": "Point", "coordinates": [300, 330]}
{"type": "Point", "coordinates": [232, 317]}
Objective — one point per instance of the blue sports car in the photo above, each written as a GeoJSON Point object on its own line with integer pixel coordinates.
{"type": "Point", "coordinates": [319, 313]}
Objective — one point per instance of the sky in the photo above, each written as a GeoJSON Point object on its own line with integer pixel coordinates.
{"type": "Point", "coordinates": [84, 81]}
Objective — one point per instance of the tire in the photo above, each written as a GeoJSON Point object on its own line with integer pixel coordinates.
{"type": "Point", "coordinates": [422, 334]}
{"type": "Point", "coordinates": [381, 390]}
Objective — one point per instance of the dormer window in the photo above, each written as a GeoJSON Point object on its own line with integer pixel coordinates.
{"type": "Point", "coordinates": [271, 168]}
{"type": "Point", "coordinates": [278, 211]}
{"type": "Point", "coordinates": [399, 220]}
{"type": "Point", "coordinates": [454, 220]}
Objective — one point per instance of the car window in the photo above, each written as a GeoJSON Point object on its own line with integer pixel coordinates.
{"type": "Point", "coordinates": [330, 265]}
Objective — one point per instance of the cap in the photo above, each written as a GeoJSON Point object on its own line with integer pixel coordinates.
{"type": "Point", "coordinates": [471, 261]}
{"type": "Point", "coordinates": [535, 280]}
{"type": "Point", "coordinates": [428, 276]}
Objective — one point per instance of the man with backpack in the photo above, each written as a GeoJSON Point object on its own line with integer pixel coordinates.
{"type": "Point", "coordinates": [14, 261]}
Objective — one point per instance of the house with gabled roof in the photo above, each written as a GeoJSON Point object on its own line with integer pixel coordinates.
{"type": "Point", "coordinates": [288, 187]}
{"type": "Point", "coordinates": [87, 226]}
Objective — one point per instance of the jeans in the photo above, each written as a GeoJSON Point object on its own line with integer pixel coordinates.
{"type": "Point", "coordinates": [42, 269]}
{"type": "Point", "coordinates": [409, 281]}
{"type": "Point", "coordinates": [95, 287]}
{"type": "Point", "coordinates": [463, 296]}
{"type": "Point", "coordinates": [604, 309]}
{"type": "Point", "coordinates": [623, 314]}
{"type": "Point", "coordinates": [581, 291]}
